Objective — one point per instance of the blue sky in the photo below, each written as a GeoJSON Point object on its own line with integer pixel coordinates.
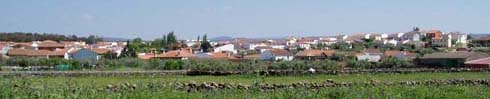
{"type": "Point", "coordinates": [240, 18]}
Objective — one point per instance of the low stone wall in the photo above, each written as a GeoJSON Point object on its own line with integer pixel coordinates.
{"type": "Point", "coordinates": [342, 71]}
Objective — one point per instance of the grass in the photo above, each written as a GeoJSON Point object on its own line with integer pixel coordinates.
{"type": "Point", "coordinates": [89, 87]}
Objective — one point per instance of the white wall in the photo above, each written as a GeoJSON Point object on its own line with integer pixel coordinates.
{"type": "Point", "coordinates": [267, 55]}
{"type": "Point", "coordinates": [227, 47]}
{"type": "Point", "coordinates": [370, 58]}
{"type": "Point", "coordinates": [278, 46]}
{"type": "Point", "coordinates": [285, 58]}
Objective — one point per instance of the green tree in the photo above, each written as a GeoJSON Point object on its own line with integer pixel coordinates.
{"type": "Point", "coordinates": [320, 46]}
{"type": "Point", "coordinates": [393, 62]}
{"type": "Point", "coordinates": [1, 59]}
{"type": "Point", "coordinates": [171, 39]}
{"type": "Point", "coordinates": [386, 47]}
{"type": "Point", "coordinates": [172, 42]}
{"type": "Point", "coordinates": [369, 43]}
{"type": "Point", "coordinates": [92, 39]}
{"type": "Point", "coordinates": [424, 51]}
{"type": "Point", "coordinates": [137, 45]}
{"type": "Point", "coordinates": [459, 45]}
{"type": "Point", "coordinates": [157, 43]}
{"type": "Point", "coordinates": [340, 46]}
{"type": "Point", "coordinates": [338, 57]}
{"type": "Point", "coordinates": [358, 47]}
{"type": "Point", "coordinates": [416, 29]}
{"type": "Point", "coordinates": [137, 40]}
{"type": "Point", "coordinates": [359, 64]}
{"type": "Point", "coordinates": [426, 39]}
{"type": "Point", "coordinates": [407, 47]}
{"type": "Point", "coordinates": [164, 42]}
{"type": "Point", "coordinates": [128, 50]}
{"type": "Point", "coordinates": [110, 55]}
{"type": "Point", "coordinates": [198, 38]}
{"type": "Point", "coordinates": [469, 37]}
{"type": "Point", "coordinates": [205, 45]}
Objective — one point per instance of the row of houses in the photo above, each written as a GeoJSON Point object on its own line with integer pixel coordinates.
{"type": "Point", "coordinates": [243, 48]}
{"type": "Point", "coordinates": [66, 50]}
{"type": "Point", "coordinates": [428, 38]}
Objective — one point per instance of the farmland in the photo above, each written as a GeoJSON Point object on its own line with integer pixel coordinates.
{"type": "Point", "coordinates": [383, 85]}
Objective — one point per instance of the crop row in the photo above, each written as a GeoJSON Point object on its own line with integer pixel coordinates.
{"type": "Point", "coordinates": [190, 87]}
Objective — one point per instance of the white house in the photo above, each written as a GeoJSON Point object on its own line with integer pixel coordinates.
{"type": "Point", "coordinates": [343, 37]}
{"type": "Point", "coordinates": [459, 38]}
{"type": "Point", "coordinates": [412, 36]}
{"type": "Point", "coordinates": [191, 42]}
{"type": "Point", "coordinates": [263, 48]}
{"type": "Point", "coordinates": [370, 55]}
{"type": "Point", "coordinates": [4, 49]}
{"type": "Point", "coordinates": [276, 55]}
{"type": "Point", "coordinates": [445, 41]}
{"type": "Point", "coordinates": [399, 35]}
{"type": "Point", "coordinates": [253, 46]}
{"type": "Point", "coordinates": [379, 37]}
{"type": "Point", "coordinates": [328, 42]}
{"type": "Point", "coordinates": [367, 36]}
{"type": "Point", "coordinates": [304, 45]}
{"type": "Point", "coordinates": [291, 41]}
{"type": "Point", "coordinates": [328, 39]}
{"type": "Point", "coordinates": [278, 46]}
{"type": "Point", "coordinates": [391, 41]}
{"type": "Point", "coordinates": [384, 36]}
{"type": "Point", "coordinates": [227, 48]}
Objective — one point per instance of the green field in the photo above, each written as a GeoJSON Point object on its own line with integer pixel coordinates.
{"type": "Point", "coordinates": [92, 87]}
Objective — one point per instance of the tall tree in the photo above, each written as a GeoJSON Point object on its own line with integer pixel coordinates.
{"type": "Point", "coordinates": [137, 45]}
{"type": "Point", "coordinates": [164, 42]}
{"type": "Point", "coordinates": [198, 38]}
{"type": "Point", "coordinates": [92, 39]}
{"type": "Point", "coordinates": [416, 29]}
{"type": "Point", "coordinates": [171, 39]}
{"type": "Point", "coordinates": [128, 51]}
{"type": "Point", "coordinates": [157, 43]}
{"type": "Point", "coordinates": [205, 45]}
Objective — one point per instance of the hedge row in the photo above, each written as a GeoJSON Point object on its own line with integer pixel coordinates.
{"type": "Point", "coordinates": [210, 64]}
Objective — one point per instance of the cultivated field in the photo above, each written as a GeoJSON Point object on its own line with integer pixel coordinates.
{"type": "Point", "coordinates": [473, 85]}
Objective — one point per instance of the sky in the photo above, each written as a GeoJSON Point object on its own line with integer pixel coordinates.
{"type": "Point", "coordinates": [150, 19]}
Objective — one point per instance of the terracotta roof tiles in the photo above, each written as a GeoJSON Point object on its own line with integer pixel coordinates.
{"type": "Point", "coordinates": [315, 52]}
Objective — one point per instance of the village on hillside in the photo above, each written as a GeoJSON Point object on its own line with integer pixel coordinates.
{"type": "Point", "coordinates": [427, 48]}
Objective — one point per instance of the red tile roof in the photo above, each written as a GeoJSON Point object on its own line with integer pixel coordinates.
{"type": "Point", "coordinates": [175, 54]}
{"type": "Point", "coordinates": [184, 53]}
{"type": "Point", "coordinates": [51, 44]}
{"type": "Point", "coordinates": [253, 56]}
{"type": "Point", "coordinates": [280, 52]}
{"type": "Point", "coordinates": [479, 61]}
{"type": "Point", "coordinates": [29, 52]}
{"type": "Point", "coordinates": [458, 54]}
{"type": "Point", "coordinates": [146, 56]}
{"type": "Point", "coordinates": [101, 50]}
{"type": "Point", "coordinates": [315, 52]}
{"type": "Point", "coordinates": [396, 53]}
{"type": "Point", "coordinates": [219, 55]}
